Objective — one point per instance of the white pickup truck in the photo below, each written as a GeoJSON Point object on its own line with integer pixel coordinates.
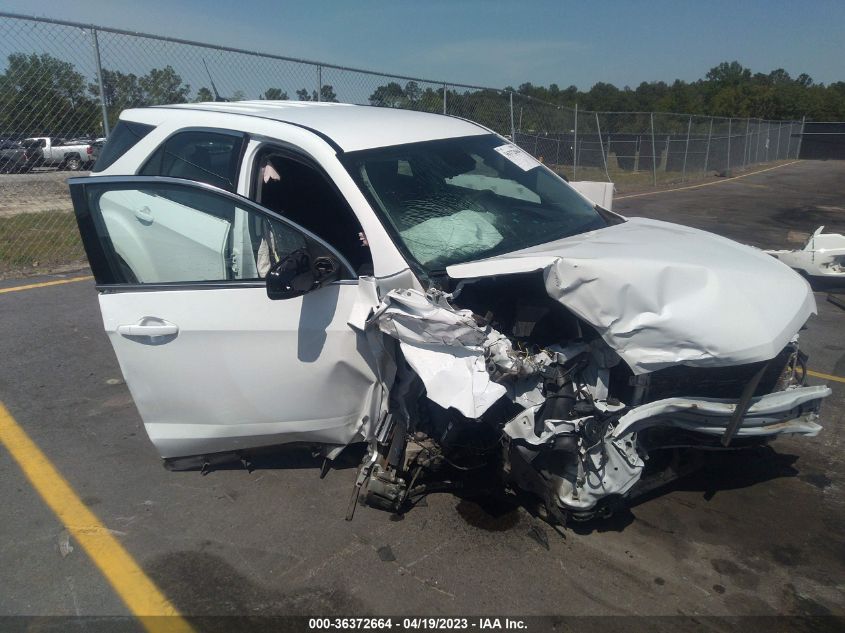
{"type": "Point", "coordinates": [61, 153]}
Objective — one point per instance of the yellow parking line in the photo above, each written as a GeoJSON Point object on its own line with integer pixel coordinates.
{"type": "Point", "coordinates": [43, 284]}
{"type": "Point", "coordinates": [133, 586]}
{"type": "Point", "coordinates": [706, 184]}
{"type": "Point", "coordinates": [818, 374]}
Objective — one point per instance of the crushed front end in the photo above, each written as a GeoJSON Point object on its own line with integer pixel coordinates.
{"type": "Point", "coordinates": [564, 380]}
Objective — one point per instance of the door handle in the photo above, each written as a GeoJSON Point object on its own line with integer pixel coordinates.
{"type": "Point", "coordinates": [148, 326]}
{"type": "Point", "coordinates": [144, 215]}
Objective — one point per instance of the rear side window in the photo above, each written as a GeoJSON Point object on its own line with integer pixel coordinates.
{"type": "Point", "coordinates": [123, 137]}
{"type": "Point", "coordinates": [200, 156]}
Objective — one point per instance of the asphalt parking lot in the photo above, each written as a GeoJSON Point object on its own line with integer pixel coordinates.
{"type": "Point", "coordinates": [756, 533]}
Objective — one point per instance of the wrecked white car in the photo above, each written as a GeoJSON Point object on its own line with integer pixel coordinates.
{"type": "Point", "coordinates": [275, 272]}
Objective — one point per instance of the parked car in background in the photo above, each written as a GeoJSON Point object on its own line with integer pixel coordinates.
{"type": "Point", "coordinates": [96, 147]}
{"type": "Point", "coordinates": [64, 154]}
{"type": "Point", "coordinates": [275, 272]}
{"type": "Point", "coordinates": [15, 157]}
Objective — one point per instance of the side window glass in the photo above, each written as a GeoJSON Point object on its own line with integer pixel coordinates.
{"type": "Point", "coordinates": [170, 233]}
{"type": "Point", "coordinates": [123, 137]}
{"type": "Point", "coordinates": [200, 156]}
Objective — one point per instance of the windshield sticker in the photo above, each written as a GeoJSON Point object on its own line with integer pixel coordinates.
{"type": "Point", "coordinates": [518, 157]}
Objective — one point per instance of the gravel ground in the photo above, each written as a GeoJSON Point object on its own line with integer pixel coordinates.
{"type": "Point", "coordinates": [41, 190]}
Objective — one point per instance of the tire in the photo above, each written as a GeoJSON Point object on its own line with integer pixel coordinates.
{"type": "Point", "coordinates": [73, 163]}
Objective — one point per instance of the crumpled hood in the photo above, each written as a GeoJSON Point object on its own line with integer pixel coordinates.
{"type": "Point", "coordinates": [662, 294]}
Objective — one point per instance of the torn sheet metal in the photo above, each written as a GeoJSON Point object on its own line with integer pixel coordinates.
{"type": "Point", "coordinates": [822, 256]}
{"type": "Point", "coordinates": [444, 346]}
{"type": "Point", "coordinates": [661, 294]}
{"type": "Point", "coordinates": [456, 358]}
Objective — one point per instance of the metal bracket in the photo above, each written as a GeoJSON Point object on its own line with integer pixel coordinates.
{"type": "Point", "coordinates": [743, 405]}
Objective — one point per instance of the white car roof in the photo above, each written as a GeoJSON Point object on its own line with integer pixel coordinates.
{"type": "Point", "coordinates": [350, 127]}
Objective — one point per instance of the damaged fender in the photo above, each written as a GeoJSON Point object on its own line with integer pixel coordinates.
{"type": "Point", "coordinates": [444, 346]}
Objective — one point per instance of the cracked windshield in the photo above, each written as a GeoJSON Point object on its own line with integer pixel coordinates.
{"type": "Point", "coordinates": [460, 199]}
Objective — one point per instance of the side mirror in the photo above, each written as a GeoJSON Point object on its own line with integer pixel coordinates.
{"type": "Point", "coordinates": [326, 270]}
{"type": "Point", "coordinates": [292, 276]}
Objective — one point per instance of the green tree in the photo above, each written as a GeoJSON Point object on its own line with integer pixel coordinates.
{"type": "Point", "coordinates": [275, 94]}
{"type": "Point", "coordinates": [120, 90]}
{"type": "Point", "coordinates": [327, 93]}
{"type": "Point", "coordinates": [391, 95]}
{"type": "Point", "coordinates": [303, 95]}
{"type": "Point", "coordinates": [413, 92]}
{"type": "Point", "coordinates": [163, 86]}
{"type": "Point", "coordinates": [43, 95]}
{"type": "Point", "coordinates": [204, 94]}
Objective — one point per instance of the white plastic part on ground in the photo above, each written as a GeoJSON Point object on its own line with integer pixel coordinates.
{"type": "Point", "coordinates": [662, 294]}
{"type": "Point", "coordinates": [599, 192]}
{"type": "Point", "coordinates": [822, 256]}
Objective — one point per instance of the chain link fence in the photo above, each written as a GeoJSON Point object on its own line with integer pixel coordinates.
{"type": "Point", "coordinates": [642, 149]}
{"type": "Point", "coordinates": [63, 85]}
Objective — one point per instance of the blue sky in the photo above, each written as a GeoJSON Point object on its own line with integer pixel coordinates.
{"type": "Point", "coordinates": [498, 44]}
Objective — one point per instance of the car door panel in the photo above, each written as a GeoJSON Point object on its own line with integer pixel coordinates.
{"type": "Point", "coordinates": [249, 371]}
{"type": "Point", "coordinates": [211, 362]}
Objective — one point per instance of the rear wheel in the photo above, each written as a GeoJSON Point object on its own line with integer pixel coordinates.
{"type": "Point", "coordinates": [73, 163]}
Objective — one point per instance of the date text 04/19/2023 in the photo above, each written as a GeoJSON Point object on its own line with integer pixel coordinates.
{"type": "Point", "coordinates": [417, 624]}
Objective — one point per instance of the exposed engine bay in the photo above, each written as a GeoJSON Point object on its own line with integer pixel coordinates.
{"type": "Point", "coordinates": [499, 386]}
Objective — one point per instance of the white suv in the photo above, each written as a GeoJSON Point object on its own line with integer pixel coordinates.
{"type": "Point", "coordinates": [277, 272]}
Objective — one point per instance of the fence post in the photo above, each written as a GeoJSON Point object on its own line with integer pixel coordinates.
{"type": "Point", "coordinates": [444, 98]}
{"type": "Point", "coordinates": [575, 145]}
{"type": "Point", "coordinates": [96, 44]}
{"type": "Point", "coordinates": [730, 124]}
{"type": "Point", "coordinates": [707, 151]}
{"type": "Point", "coordinates": [319, 83]}
{"type": "Point", "coordinates": [557, 155]}
{"type": "Point", "coordinates": [601, 146]}
{"type": "Point", "coordinates": [789, 138]}
{"type": "Point", "coordinates": [745, 146]}
{"type": "Point", "coordinates": [513, 132]}
{"type": "Point", "coordinates": [653, 151]}
{"type": "Point", "coordinates": [777, 151]}
{"type": "Point", "coordinates": [801, 136]}
{"type": "Point", "coordinates": [768, 138]}
{"type": "Point", "coordinates": [757, 148]}
{"type": "Point", "coordinates": [686, 151]}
